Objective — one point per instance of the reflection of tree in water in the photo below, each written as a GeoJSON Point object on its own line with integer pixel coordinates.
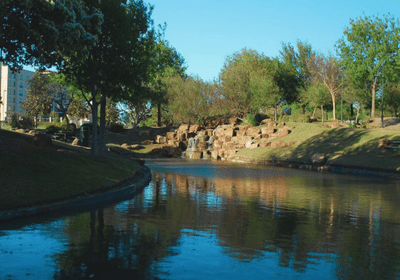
{"type": "Point", "coordinates": [299, 225]}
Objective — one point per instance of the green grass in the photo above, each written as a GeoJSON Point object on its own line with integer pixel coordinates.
{"type": "Point", "coordinates": [346, 146]}
{"type": "Point", "coordinates": [33, 176]}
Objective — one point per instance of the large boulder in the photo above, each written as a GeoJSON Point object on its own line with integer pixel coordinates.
{"type": "Point", "coordinates": [183, 128]}
{"type": "Point", "coordinates": [42, 140]}
{"type": "Point", "coordinates": [283, 132]}
{"type": "Point", "coordinates": [318, 159]}
{"type": "Point", "coordinates": [76, 142]}
{"type": "Point", "coordinates": [252, 131]}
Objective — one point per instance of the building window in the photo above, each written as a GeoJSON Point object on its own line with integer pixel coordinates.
{"type": "Point", "coordinates": [21, 77]}
{"type": "Point", "coordinates": [21, 85]}
{"type": "Point", "coordinates": [21, 93]}
{"type": "Point", "coordinates": [27, 78]}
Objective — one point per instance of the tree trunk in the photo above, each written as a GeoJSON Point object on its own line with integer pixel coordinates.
{"type": "Point", "coordinates": [358, 113]}
{"type": "Point", "coordinates": [373, 100]}
{"type": "Point", "coordinates": [322, 113]}
{"type": "Point", "coordinates": [351, 110]}
{"type": "Point", "coordinates": [313, 114]}
{"type": "Point", "coordinates": [102, 134]}
{"type": "Point", "coordinates": [95, 146]}
{"type": "Point", "coordinates": [159, 114]}
{"type": "Point", "coordinates": [334, 106]}
{"type": "Point", "coordinates": [275, 113]}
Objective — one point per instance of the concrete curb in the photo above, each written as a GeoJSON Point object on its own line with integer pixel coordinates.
{"type": "Point", "coordinates": [81, 203]}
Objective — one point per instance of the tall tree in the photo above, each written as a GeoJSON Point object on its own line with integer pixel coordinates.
{"type": "Point", "coordinates": [327, 70]}
{"type": "Point", "coordinates": [39, 101]}
{"type": "Point", "coordinates": [248, 83]}
{"type": "Point", "coordinates": [392, 97]}
{"type": "Point", "coordinates": [44, 33]}
{"type": "Point", "coordinates": [120, 64]}
{"type": "Point", "coordinates": [370, 46]}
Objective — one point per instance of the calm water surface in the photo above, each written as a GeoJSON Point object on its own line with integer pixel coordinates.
{"type": "Point", "coordinates": [203, 220]}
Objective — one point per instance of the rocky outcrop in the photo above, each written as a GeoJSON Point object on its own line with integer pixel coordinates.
{"type": "Point", "coordinates": [223, 142]}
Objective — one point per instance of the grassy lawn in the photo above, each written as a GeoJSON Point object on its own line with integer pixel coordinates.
{"type": "Point", "coordinates": [348, 146]}
{"type": "Point", "coordinates": [32, 176]}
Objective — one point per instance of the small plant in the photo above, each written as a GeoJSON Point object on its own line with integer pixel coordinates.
{"type": "Point", "coordinates": [69, 130]}
{"type": "Point", "coordinates": [15, 123]}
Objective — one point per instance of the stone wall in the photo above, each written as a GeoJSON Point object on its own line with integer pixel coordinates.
{"type": "Point", "coordinates": [224, 141]}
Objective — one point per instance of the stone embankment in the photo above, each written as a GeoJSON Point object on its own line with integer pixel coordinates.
{"type": "Point", "coordinates": [222, 142]}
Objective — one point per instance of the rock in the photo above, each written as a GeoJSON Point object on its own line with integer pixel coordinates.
{"type": "Point", "coordinates": [124, 145]}
{"type": "Point", "coordinates": [267, 130]}
{"type": "Point", "coordinates": [147, 142]}
{"type": "Point", "coordinates": [283, 132]}
{"type": "Point", "coordinates": [194, 128]}
{"type": "Point", "coordinates": [76, 142]}
{"type": "Point", "coordinates": [251, 145]}
{"type": "Point", "coordinates": [161, 139]}
{"type": "Point", "coordinates": [215, 154]}
{"type": "Point", "coordinates": [184, 128]}
{"type": "Point", "coordinates": [265, 143]}
{"type": "Point", "coordinates": [268, 122]}
{"type": "Point", "coordinates": [135, 147]}
{"type": "Point", "coordinates": [318, 159]}
{"type": "Point", "coordinates": [20, 130]}
{"type": "Point", "coordinates": [171, 135]}
{"type": "Point", "coordinates": [42, 140]}
{"type": "Point", "coordinates": [383, 143]}
{"type": "Point", "coordinates": [252, 131]}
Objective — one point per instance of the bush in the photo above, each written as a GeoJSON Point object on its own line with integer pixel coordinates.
{"type": "Point", "coordinates": [250, 120]}
{"type": "Point", "coordinates": [14, 123]}
{"type": "Point", "coordinates": [300, 118]}
{"type": "Point", "coordinates": [52, 129]}
{"type": "Point", "coordinates": [116, 127]}
{"type": "Point", "coordinates": [69, 130]}
{"type": "Point", "coordinates": [27, 122]}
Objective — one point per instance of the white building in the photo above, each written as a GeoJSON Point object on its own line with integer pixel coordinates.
{"type": "Point", "coordinates": [13, 90]}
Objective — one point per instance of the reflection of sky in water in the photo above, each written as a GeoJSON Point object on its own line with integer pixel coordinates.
{"type": "Point", "coordinates": [203, 249]}
{"type": "Point", "coordinates": [27, 254]}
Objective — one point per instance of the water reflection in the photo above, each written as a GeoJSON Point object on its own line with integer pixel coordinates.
{"type": "Point", "coordinates": [234, 223]}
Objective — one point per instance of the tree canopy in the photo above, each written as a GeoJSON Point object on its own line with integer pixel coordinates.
{"type": "Point", "coordinates": [370, 47]}
{"type": "Point", "coordinates": [45, 33]}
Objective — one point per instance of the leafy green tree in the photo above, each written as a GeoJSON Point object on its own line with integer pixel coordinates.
{"type": "Point", "coordinates": [120, 64]}
{"type": "Point", "coordinates": [44, 33]}
{"type": "Point", "coordinates": [112, 112]}
{"type": "Point", "coordinates": [39, 101]}
{"type": "Point", "coordinates": [166, 62]}
{"type": "Point", "coordinates": [369, 47]}
{"type": "Point", "coordinates": [61, 95]}
{"type": "Point", "coordinates": [317, 94]}
{"type": "Point", "coordinates": [248, 83]}
{"type": "Point", "coordinates": [392, 97]}
{"type": "Point", "coordinates": [355, 93]}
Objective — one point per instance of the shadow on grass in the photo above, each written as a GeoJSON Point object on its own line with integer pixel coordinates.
{"type": "Point", "coordinates": [348, 146]}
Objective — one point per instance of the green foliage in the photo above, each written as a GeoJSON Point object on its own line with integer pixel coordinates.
{"type": "Point", "coordinates": [50, 32]}
{"type": "Point", "coordinates": [116, 128]}
{"type": "Point", "coordinates": [298, 118]}
{"type": "Point", "coordinates": [69, 130]}
{"type": "Point", "coordinates": [367, 50]}
{"type": "Point", "coordinates": [52, 129]}
{"type": "Point", "coordinates": [250, 120]}
{"type": "Point", "coordinates": [14, 123]}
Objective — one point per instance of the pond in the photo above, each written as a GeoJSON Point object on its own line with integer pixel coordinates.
{"type": "Point", "coordinates": [209, 220]}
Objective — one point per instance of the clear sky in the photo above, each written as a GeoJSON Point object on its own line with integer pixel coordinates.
{"type": "Point", "coordinates": [205, 32]}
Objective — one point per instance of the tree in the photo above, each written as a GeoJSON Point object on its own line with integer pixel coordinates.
{"type": "Point", "coordinates": [167, 62]}
{"type": "Point", "coordinates": [119, 65]}
{"type": "Point", "coordinates": [327, 70]}
{"type": "Point", "coordinates": [370, 47]}
{"type": "Point", "coordinates": [355, 92]}
{"type": "Point", "coordinates": [134, 113]}
{"type": "Point", "coordinates": [392, 97]}
{"type": "Point", "coordinates": [39, 101]}
{"type": "Point", "coordinates": [248, 83]}
{"type": "Point", "coordinates": [44, 33]}
{"type": "Point", "coordinates": [318, 95]}
{"type": "Point", "coordinates": [61, 95]}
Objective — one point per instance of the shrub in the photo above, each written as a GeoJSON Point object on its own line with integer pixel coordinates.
{"type": "Point", "coordinates": [27, 122]}
{"type": "Point", "coordinates": [116, 127]}
{"type": "Point", "coordinates": [69, 130]}
{"type": "Point", "coordinates": [250, 120]}
{"type": "Point", "coordinates": [15, 123]}
{"type": "Point", "coordinates": [52, 129]}
{"type": "Point", "coordinates": [300, 118]}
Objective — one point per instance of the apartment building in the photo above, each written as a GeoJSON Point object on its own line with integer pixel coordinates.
{"type": "Point", "coordinates": [13, 90]}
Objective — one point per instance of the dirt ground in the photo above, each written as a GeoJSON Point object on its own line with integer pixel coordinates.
{"type": "Point", "coordinates": [390, 123]}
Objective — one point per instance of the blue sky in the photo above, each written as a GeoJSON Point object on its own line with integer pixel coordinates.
{"type": "Point", "coordinates": [207, 31]}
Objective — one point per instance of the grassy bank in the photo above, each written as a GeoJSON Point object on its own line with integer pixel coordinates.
{"type": "Point", "coordinates": [343, 146]}
{"type": "Point", "coordinates": [32, 176]}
